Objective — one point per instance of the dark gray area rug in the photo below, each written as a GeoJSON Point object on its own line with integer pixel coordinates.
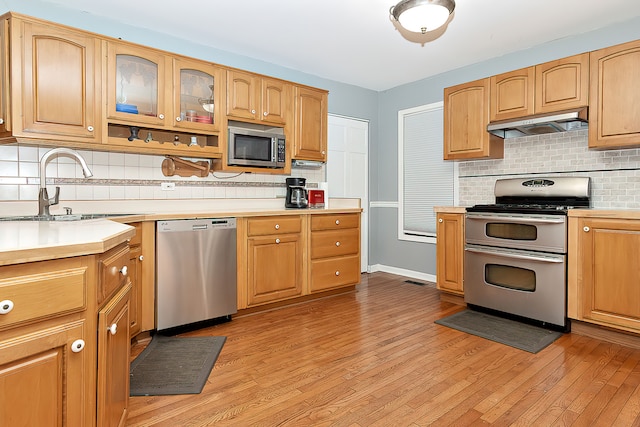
{"type": "Point", "coordinates": [174, 365]}
{"type": "Point", "coordinates": [506, 331]}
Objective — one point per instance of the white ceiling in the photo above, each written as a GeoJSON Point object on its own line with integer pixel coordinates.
{"type": "Point", "coordinates": [354, 41]}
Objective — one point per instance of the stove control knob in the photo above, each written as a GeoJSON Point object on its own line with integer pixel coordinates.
{"type": "Point", "coordinates": [586, 229]}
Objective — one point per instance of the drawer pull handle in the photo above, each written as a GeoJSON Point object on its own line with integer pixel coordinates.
{"type": "Point", "coordinates": [161, 116]}
{"type": "Point", "coordinates": [586, 229]}
{"type": "Point", "coordinates": [337, 222]}
{"type": "Point", "coordinates": [113, 329]}
{"type": "Point", "coordinates": [337, 243]}
{"type": "Point", "coordinates": [338, 273]}
{"type": "Point", "coordinates": [277, 240]}
{"type": "Point", "coordinates": [141, 257]}
{"type": "Point", "coordinates": [6, 306]}
{"type": "Point", "coordinates": [90, 128]}
{"type": "Point", "coordinates": [440, 220]}
{"type": "Point", "coordinates": [277, 226]}
{"type": "Point", "coordinates": [124, 270]}
{"type": "Point", "coordinates": [77, 346]}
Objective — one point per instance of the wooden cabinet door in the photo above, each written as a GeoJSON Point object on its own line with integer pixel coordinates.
{"type": "Point", "coordinates": [242, 94]}
{"type": "Point", "coordinates": [45, 379]}
{"type": "Point", "coordinates": [466, 116]}
{"type": "Point", "coordinates": [137, 81]}
{"type": "Point", "coordinates": [196, 83]}
{"type": "Point", "coordinates": [113, 360]}
{"type": "Point", "coordinates": [275, 268]}
{"type": "Point", "coordinates": [276, 101]}
{"type": "Point", "coordinates": [613, 98]}
{"type": "Point", "coordinates": [5, 88]}
{"type": "Point", "coordinates": [512, 94]}
{"type": "Point", "coordinates": [450, 252]}
{"type": "Point", "coordinates": [56, 82]}
{"type": "Point", "coordinates": [310, 134]}
{"type": "Point", "coordinates": [135, 275]}
{"type": "Point", "coordinates": [562, 84]}
{"type": "Point", "coordinates": [609, 267]}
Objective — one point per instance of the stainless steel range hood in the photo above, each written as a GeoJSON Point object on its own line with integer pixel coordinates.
{"type": "Point", "coordinates": [562, 121]}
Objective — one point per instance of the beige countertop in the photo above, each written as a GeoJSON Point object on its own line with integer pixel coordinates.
{"type": "Point", "coordinates": [26, 241]}
{"type": "Point", "coordinates": [449, 209]}
{"type": "Point", "coordinates": [605, 213]}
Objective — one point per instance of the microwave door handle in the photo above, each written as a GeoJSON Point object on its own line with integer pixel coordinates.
{"type": "Point", "coordinates": [558, 220]}
{"type": "Point", "coordinates": [515, 256]}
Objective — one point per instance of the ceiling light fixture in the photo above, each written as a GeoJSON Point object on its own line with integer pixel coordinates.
{"type": "Point", "coordinates": [420, 16]}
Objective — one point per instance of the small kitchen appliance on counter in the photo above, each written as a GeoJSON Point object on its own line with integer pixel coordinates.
{"type": "Point", "coordinates": [316, 199]}
{"type": "Point", "coordinates": [297, 196]}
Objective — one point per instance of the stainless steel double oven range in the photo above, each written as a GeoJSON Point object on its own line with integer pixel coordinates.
{"type": "Point", "coordinates": [516, 249]}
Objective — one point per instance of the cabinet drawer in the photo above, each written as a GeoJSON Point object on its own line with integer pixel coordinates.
{"type": "Point", "coordinates": [334, 222]}
{"type": "Point", "coordinates": [335, 272]}
{"type": "Point", "coordinates": [335, 243]}
{"type": "Point", "coordinates": [274, 225]}
{"type": "Point", "coordinates": [113, 271]}
{"type": "Point", "coordinates": [46, 294]}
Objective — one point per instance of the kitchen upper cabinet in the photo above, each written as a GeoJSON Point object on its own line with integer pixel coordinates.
{"type": "Point", "coordinates": [545, 88]}
{"type": "Point", "coordinates": [466, 116]}
{"type": "Point", "coordinates": [614, 108]}
{"type": "Point", "coordinates": [256, 98]}
{"type": "Point", "coordinates": [311, 124]}
{"type": "Point", "coordinates": [512, 94]}
{"type": "Point", "coordinates": [450, 252]}
{"type": "Point", "coordinates": [55, 83]}
{"type": "Point", "coordinates": [47, 347]}
{"type": "Point", "coordinates": [196, 95]}
{"type": "Point", "coordinates": [562, 84]}
{"type": "Point", "coordinates": [603, 272]}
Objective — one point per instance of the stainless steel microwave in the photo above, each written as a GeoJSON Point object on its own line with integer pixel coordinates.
{"type": "Point", "coordinates": [256, 145]}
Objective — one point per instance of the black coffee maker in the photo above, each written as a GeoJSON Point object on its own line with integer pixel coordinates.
{"type": "Point", "coordinates": [297, 196]}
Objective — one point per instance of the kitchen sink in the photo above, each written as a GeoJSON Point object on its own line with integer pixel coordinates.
{"type": "Point", "coordinates": [63, 217]}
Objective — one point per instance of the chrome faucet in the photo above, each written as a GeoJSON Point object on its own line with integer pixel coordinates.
{"type": "Point", "coordinates": [43, 197]}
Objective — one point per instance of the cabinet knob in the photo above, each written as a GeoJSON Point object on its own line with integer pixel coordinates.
{"type": "Point", "coordinates": [324, 152]}
{"type": "Point", "coordinates": [253, 111]}
{"type": "Point", "coordinates": [338, 273]}
{"type": "Point", "coordinates": [113, 329]}
{"type": "Point", "coordinates": [6, 306]}
{"type": "Point", "coordinates": [337, 243]}
{"type": "Point", "coordinates": [337, 222]}
{"type": "Point", "coordinates": [265, 114]}
{"type": "Point", "coordinates": [161, 116]}
{"type": "Point", "coordinates": [1, 121]}
{"type": "Point", "coordinates": [141, 257]}
{"type": "Point", "coordinates": [124, 270]}
{"type": "Point", "coordinates": [178, 119]}
{"type": "Point", "coordinates": [277, 240]}
{"type": "Point", "coordinates": [77, 346]}
{"type": "Point", "coordinates": [90, 128]}
{"type": "Point", "coordinates": [277, 226]}
{"type": "Point", "coordinates": [586, 229]}
{"type": "Point", "coordinates": [439, 219]}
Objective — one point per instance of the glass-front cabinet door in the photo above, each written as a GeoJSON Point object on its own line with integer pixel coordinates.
{"type": "Point", "coordinates": [136, 85]}
{"type": "Point", "coordinates": [196, 97]}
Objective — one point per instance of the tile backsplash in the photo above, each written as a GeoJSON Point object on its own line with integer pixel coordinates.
{"type": "Point", "coordinates": [118, 176]}
{"type": "Point", "coordinates": [615, 174]}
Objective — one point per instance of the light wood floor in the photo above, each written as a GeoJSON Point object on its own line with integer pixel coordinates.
{"type": "Point", "coordinates": [374, 357]}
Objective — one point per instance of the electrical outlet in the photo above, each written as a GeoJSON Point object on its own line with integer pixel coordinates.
{"type": "Point", "coordinates": [168, 186]}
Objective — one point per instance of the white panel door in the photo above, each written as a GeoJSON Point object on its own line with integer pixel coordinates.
{"type": "Point", "coordinates": [347, 169]}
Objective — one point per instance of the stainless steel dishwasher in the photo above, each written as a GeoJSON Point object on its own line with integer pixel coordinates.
{"type": "Point", "coordinates": [196, 271]}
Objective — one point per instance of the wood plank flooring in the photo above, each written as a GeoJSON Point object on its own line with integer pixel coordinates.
{"type": "Point", "coordinates": [374, 357]}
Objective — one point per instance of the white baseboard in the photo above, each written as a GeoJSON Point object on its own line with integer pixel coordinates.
{"type": "Point", "coordinates": [402, 272]}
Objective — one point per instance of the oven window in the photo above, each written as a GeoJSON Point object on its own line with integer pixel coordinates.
{"type": "Point", "coordinates": [501, 230]}
{"type": "Point", "coordinates": [510, 277]}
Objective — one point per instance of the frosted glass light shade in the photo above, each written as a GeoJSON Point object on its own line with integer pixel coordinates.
{"type": "Point", "coordinates": [420, 16]}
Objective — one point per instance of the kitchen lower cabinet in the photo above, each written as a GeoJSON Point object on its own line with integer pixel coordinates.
{"type": "Point", "coordinates": [603, 271]}
{"type": "Point", "coordinates": [614, 94]}
{"type": "Point", "coordinates": [334, 251]}
{"type": "Point", "coordinates": [274, 259]}
{"type": "Point", "coordinates": [47, 349]}
{"type": "Point", "coordinates": [450, 252]}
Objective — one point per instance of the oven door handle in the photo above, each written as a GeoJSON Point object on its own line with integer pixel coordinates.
{"type": "Point", "coordinates": [505, 254]}
{"type": "Point", "coordinates": [558, 220]}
